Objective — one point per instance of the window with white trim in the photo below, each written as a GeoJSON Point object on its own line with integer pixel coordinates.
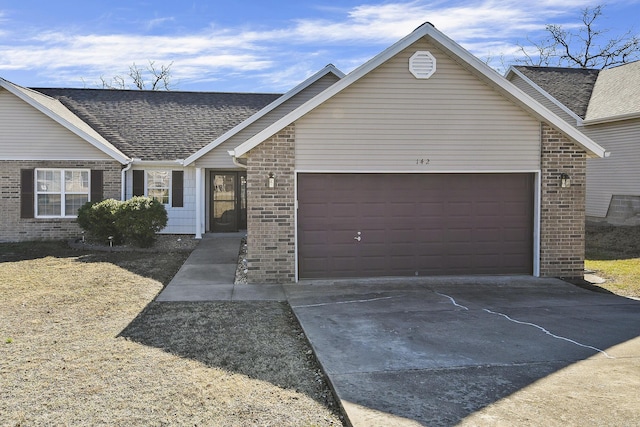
{"type": "Point", "coordinates": [159, 185]}
{"type": "Point", "coordinates": [61, 192]}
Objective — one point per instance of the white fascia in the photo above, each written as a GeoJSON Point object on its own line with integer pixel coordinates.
{"type": "Point", "coordinates": [513, 70]}
{"type": "Point", "coordinates": [628, 116]}
{"type": "Point", "coordinates": [159, 163]}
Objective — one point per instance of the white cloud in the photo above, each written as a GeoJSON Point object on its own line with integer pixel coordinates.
{"type": "Point", "coordinates": [281, 57]}
{"type": "Point", "coordinates": [157, 22]}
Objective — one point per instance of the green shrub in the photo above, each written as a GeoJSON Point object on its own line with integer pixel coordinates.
{"type": "Point", "coordinates": [140, 218]}
{"type": "Point", "coordinates": [98, 219]}
{"type": "Point", "coordinates": [137, 220]}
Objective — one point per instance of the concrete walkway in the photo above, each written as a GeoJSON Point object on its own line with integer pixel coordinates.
{"type": "Point", "coordinates": [477, 351]}
{"type": "Point", "coordinates": [209, 273]}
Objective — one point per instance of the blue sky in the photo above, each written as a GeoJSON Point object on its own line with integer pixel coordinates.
{"type": "Point", "coordinates": [261, 45]}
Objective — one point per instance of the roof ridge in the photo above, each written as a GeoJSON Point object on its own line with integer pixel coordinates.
{"type": "Point", "coordinates": [38, 89]}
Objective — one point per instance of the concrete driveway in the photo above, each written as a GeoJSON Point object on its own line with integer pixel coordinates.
{"type": "Point", "coordinates": [481, 351]}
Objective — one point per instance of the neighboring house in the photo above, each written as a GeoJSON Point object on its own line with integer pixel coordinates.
{"type": "Point", "coordinates": [605, 106]}
{"type": "Point", "coordinates": [422, 161]}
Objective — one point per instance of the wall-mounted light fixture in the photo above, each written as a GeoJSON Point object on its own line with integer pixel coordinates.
{"type": "Point", "coordinates": [271, 180]}
{"type": "Point", "coordinates": [565, 180]}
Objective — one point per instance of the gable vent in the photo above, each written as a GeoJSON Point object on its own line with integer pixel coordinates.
{"type": "Point", "coordinates": [422, 64]}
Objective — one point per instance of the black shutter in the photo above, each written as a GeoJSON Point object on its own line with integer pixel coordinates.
{"type": "Point", "coordinates": [97, 185]}
{"type": "Point", "coordinates": [27, 193]}
{"type": "Point", "coordinates": [138, 183]}
{"type": "Point", "coordinates": [177, 189]}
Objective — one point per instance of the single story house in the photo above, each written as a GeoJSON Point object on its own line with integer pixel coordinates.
{"type": "Point", "coordinates": [605, 106]}
{"type": "Point", "coordinates": [422, 161]}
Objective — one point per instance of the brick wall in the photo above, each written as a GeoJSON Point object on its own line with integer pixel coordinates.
{"type": "Point", "coordinates": [271, 212]}
{"type": "Point", "coordinates": [15, 229]}
{"type": "Point", "coordinates": [562, 210]}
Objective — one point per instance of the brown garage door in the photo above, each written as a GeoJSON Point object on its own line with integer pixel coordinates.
{"type": "Point", "coordinates": [365, 225]}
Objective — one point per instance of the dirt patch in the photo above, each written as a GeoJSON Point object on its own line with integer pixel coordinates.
{"type": "Point", "coordinates": [162, 243]}
{"type": "Point", "coordinates": [605, 242]}
{"type": "Point", "coordinates": [83, 343]}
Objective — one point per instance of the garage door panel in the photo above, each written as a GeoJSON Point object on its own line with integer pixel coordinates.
{"type": "Point", "coordinates": [488, 234]}
{"type": "Point", "coordinates": [403, 237]}
{"type": "Point", "coordinates": [415, 223]}
{"type": "Point", "coordinates": [515, 235]}
{"type": "Point", "coordinates": [428, 235]}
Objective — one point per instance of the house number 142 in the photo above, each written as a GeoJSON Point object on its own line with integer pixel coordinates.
{"type": "Point", "coordinates": [422, 161]}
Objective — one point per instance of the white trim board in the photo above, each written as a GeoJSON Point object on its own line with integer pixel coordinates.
{"type": "Point", "coordinates": [513, 70]}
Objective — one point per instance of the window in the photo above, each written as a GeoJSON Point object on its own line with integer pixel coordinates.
{"type": "Point", "coordinates": [159, 185]}
{"type": "Point", "coordinates": [60, 192]}
{"type": "Point", "coordinates": [167, 186]}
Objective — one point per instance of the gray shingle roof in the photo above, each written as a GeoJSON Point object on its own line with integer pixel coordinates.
{"type": "Point", "coordinates": [160, 125]}
{"type": "Point", "coordinates": [570, 86]}
{"type": "Point", "coordinates": [616, 93]}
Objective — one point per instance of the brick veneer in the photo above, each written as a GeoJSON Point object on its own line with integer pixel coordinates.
{"type": "Point", "coordinates": [271, 212]}
{"type": "Point", "coordinates": [562, 210]}
{"type": "Point", "coordinates": [15, 229]}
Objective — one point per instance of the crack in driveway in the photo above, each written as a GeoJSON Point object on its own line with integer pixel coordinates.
{"type": "Point", "coordinates": [453, 301]}
{"type": "Point", "coordinates": [549, 333]}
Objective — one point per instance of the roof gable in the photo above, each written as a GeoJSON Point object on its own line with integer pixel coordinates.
{"type": "Point", "coordinates": [473, 64]}
{"type": "Point", "coordinates": [330, 69]}
{"type": "Point", "coordinates": [66, 118]}
{"type": "Point", "coordinates": [616, 94]}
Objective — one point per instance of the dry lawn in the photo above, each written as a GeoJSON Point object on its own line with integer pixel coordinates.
{"type": "Point", "coordinates": [83, 343]}
{"type": "Point", "coordinates": [614, 254]}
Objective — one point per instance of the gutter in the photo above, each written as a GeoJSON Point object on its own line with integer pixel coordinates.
{"type": "Point", "coordinates": [620, 117]}
{"type": "Point", "coordinates": [168, 163]}
{"type": "Point", "coordinates": [236, 162]}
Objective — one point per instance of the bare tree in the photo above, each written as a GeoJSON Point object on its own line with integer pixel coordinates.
{"type": "Point", "coordinates": [149, 78]}
{"type": "Point", "coordinates": [587, 47]}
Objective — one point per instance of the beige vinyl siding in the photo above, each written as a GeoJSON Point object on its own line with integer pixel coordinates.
{"type": "Point", "coordinates": [28, 134]}
{"type": "Point", "coordinates": [535, 94]}
{"type": "Point", "coordinates": [617, 174]}
{"type": "Point", "coordinates": [390, 121]}
{"type": "Point", "coordinates": [219, 157]}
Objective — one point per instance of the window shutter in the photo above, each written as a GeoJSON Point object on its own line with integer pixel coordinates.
{"type": "Point", "coordinates": [97, 184]}
{"type": "Point", "coordinates": [27, 193]}
{"type": "Point", "coordinates": [177, 189]}
{"type": "Point", "coordinates": [138, 183]}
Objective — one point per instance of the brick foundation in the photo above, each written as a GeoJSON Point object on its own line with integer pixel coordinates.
{"type": "Point", "coordinates": [271, 212]}
{"type": "Point", "coordinates": [562, 210]}
{"type": "Point", "coordinates": [16, 229]}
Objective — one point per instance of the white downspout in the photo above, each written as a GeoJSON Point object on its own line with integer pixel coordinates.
{"type": "Point", "coordinates": [199, 199]}
{"type": "Point", "coordinates": [123, 181]}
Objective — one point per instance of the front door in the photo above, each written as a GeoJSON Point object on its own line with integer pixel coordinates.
{"type": "Point", "coordinates": [228, 201]}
